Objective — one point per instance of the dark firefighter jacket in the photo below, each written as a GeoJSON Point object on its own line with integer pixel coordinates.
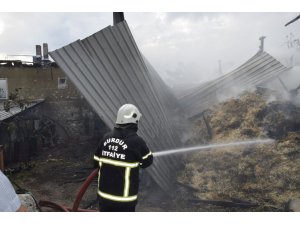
{"type": "Point", "coordinates": [119, 155]}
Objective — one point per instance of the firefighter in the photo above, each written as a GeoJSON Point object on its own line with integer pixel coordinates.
{"type": "Point", "coordinates": [119, 156]}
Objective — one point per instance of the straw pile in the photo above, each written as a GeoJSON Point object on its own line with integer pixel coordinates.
{"type": "Point", "coordinates": [268, 175]}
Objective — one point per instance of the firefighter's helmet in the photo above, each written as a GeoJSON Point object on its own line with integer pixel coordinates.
{"type": "Point", "coordinates": [128, 113]}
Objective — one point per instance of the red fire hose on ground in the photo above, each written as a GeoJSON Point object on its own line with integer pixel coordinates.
{"type": "Point", "coordinates": [75, 207]}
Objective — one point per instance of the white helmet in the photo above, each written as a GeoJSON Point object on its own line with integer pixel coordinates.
{"type": "Point", "coordinates": [128, 113]}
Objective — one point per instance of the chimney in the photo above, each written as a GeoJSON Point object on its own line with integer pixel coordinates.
{"type": "Point", "coordinates": [261, 47]}
{"type": "Point", "coordinates": [118, 17]}
{"type": "Point", "coordinates": [38, 51]}
{"type": "Point", "coordinates": [38, 54]}
{"type": "Point", "coordinates": [45, 51]}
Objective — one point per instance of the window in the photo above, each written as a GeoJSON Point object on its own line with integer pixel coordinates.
{"type": "Point", "coordinates": [3, 88]}
{"type": "Point", "coordinates": [62, 83]}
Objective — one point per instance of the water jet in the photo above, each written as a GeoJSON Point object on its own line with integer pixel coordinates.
{"type": "Point", "coordinates": [210, 146]}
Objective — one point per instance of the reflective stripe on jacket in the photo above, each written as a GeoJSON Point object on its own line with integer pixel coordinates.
{"type": "Point", "coordinates": [119, 155]}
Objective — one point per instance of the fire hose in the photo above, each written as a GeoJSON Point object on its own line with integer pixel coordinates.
{"type": "Point", "coordinates": [75, 207]}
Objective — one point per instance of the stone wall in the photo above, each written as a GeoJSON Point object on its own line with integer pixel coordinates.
{"type": "Point", "coordinates": [73, 119]}
{"type": "Point", "coordinates": [39, 82]}
{"type": "Point", "coordinates": [64, 105]}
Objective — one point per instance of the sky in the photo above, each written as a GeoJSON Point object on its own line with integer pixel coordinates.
{"type": "Point", "coordinates": [186, 48]}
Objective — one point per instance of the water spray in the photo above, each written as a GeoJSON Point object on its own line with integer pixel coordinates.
{"type": "Point", "coordinates": [221, 145]}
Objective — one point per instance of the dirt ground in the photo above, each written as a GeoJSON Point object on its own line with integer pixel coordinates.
{"type": "Point", "coordinates": [56, 174]}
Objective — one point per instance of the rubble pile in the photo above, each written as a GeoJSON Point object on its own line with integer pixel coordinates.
{"type": "Point", "coordinates": [267, 176]}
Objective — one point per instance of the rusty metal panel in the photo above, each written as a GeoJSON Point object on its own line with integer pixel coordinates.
{"type": "Point", "coordinates": [109, 70]}
{"type": "Point", "coordinates": [257, 70]}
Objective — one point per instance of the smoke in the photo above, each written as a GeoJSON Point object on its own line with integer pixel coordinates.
{"type": "Point", "coordinates": [287, 85]}
{"type": "Point", "coordinates": [233, 91]}
{"type": "Point", "coordinates": [229, 37]}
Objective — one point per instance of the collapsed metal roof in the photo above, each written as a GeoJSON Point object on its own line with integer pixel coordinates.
{"type": "Point", "coordinates": [109, 71]}
{"type": "Point", "coordinates": [257, 70]}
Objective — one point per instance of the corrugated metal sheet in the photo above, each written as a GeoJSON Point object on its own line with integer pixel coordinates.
{"type": "Point", "coordinates": [110, 71]}
{"type": "Point", "coordinates": [257, 70]}
{"type": "Point", "coordinates": [16, 110]}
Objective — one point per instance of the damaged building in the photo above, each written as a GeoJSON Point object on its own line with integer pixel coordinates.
{"type": "Point", "coordinates": [36, 92]}
{"type": "Point", "coordinates": [98, 74]}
